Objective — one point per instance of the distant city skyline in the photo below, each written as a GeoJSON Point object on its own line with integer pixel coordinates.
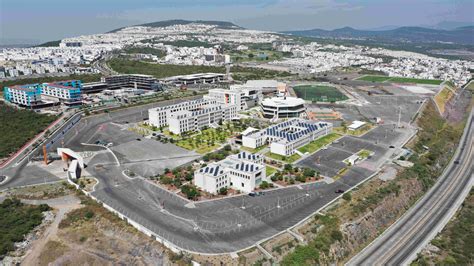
{"type": "Point", "coordinates": [29, 21]}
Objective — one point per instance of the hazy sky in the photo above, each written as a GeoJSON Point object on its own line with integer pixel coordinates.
{"type": "Point", "coordinates": [43, 20]}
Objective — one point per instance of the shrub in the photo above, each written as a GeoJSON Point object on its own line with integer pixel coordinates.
{"type": "Point", "coordinates": [347, 196]}
{"type": "Point", "coordinates": [89, 214]}
{"type": "Point", "coordinates": [223, 191]}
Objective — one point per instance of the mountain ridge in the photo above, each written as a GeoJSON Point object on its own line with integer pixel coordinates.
{"type": "Point", "coordinates": [460, 35]}
{"type": "Point", "coordinates": [171, 22]}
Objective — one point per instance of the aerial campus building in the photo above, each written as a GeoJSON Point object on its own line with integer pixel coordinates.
{"type": "Point", "coordinates": [192, 120]}
{"type": "Point", "coordinates": [68, 92]}
{"type": "Point", "coordinates": [192, 79]}
{"type": "Point", "coordinates": [242, 96]}
{"type": "Point", "coordinates": [243, 171]}
{"type": "Point", "coordinates": [32, 95]}
{"type": "Point", "coordinates": [191, 115]}
{"type": "Point", "coordinates": [286, 137]}
{"type": "Point", "coordinates": [283, 107]}
{"type": "Point", "coordinates": [137, 81]}
{"type": "Point", "coordinates": [23, 95]}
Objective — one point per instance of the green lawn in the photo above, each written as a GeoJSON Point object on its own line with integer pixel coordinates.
{"type": "Point", "coordinates": [315, 145]}
{"type": "Point", "coordinates": [287, 159]}
{"type": "Point", "coordinates": [270, 170]}
{"type": "Point", "coordinates": [253, 150]}
{"type": "Point", "coordinates": [375, 78]}
{"type": "Point", "coordinates": [207, 140]}
{"type": "Point", "coordinates": [319, 93]}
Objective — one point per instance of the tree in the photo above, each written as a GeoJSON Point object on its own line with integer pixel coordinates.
{"type": "Point", "coordinates": [223, 191]}
{"type": "Point", "coordinates": [337, 235]}
{"type": "Point", "coordinates": [309, 172]}
{"type": "Point", "coordinates": [190, 191]}
{"type": "Point", "coordinates": [288, 167]}
{"type": "Point", "coordinates": [344, 126]}
{"type": "Point", "coordinates": [347, 196]}
{"type": "Point", "coordinates": [264, 185]}
{"type": "Point", "coordinates": [189, 176]}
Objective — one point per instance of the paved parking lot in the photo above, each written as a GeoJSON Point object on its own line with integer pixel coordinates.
{"type": "Point", "coordinates": [219, 226]}
{"type": "Point", "coordinates": [329, 161]}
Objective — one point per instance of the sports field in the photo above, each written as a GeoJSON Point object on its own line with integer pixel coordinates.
{"type": "Point", "coordinates": [375, 78]}
{"type": "Point", "coordinates": [319, 93]}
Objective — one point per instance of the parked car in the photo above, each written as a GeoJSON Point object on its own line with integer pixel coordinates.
{"type": "Point", "coordinates": [339, 191]}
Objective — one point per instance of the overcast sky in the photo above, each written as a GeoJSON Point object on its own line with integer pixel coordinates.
{"type": "Point", "coordinates": [43, 20]}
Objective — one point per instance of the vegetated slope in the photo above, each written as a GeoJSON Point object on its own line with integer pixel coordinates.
{"type": "Point", "coordinates": [462, 35]}
{"type": "Point", "coordinates": [455, 244]}
{"type": "Point", "coordinates": [17, 220]}
{"type": "Point", "coordinates": [49, 44]}
{"type": "Point", "coordinates": [166, 23]}
{"type": "Point", "coordinates": [168, 70]}
{"type": "Point", "coordinates": [17, 126]}
{"type": "Point", "coordinates": [375, 205]}
{"type": "Point", "coordinates": [82, 77]}
{"type": "Point", "coordinates": [92, 235]}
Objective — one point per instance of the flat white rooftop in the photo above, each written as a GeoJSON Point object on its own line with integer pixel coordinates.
{"type": "Point", "coordinates": [282, 101]}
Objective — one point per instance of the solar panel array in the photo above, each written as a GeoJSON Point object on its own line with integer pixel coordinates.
{"type": "Point", "coordinates": [248, 156]}
{"type": "Point", "coordinates": [277, 130]}
{"type": "Point", "coordinates": [213, 170]}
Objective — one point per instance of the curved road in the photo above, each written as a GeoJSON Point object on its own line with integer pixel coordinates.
{"type": "Point", "coordinates": [400, 243]}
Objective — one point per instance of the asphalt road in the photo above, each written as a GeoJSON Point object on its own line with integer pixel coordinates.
{"type": "Point", "coordinates": [400, 244]}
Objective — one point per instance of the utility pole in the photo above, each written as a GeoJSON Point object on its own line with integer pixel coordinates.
{"type": "Point", "coordinates": [399, 116]}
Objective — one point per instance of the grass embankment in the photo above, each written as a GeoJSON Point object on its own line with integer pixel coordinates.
{"type": "Point", "coordinates": [327, 232]}
{"type": "Point", "coordinates": [455, 243]}
{"type": "Point", "coordinates": [319, 143]}
{"type": "Point", "coordinates": [167, 70]}
{"type": "Point", "coordinates": [17, 126]}
{"type": "Point", "coordinates": [375, 205]}
{"type": "Point", "coordinates": [442, 97]}
{"type": "Point", "coordinates": [16, 221]}
{"type": "Point", "coordinates": [375, 78]}
{"type": "Point", "coordinates": [319, 93]}
{"type": "Point", "coordinates": [92, 235]}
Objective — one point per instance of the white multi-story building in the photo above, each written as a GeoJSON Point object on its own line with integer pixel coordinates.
{"type": "Point", "coordinates": [159, 116]}
{"type": "Point", "coordinates": [240, 95]}
{"type": "Point", "coordinates": [243, 171]}
{"type": "Point", "coordinates": [68, 92]}
{"type": "Point", "coordinates": [192, 120]}
{"type": "Point", "coordinates": [23, 95]}
{"type": "Point", "coordinates": [286, 137]}
{"type": "Point", "coordinates": [283, 107]}
{"type": "Point", "coordinates": [226, 97]}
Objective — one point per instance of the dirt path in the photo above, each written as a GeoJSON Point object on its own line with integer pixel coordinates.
{"type": "Point", "coordinates": [63, 205]}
